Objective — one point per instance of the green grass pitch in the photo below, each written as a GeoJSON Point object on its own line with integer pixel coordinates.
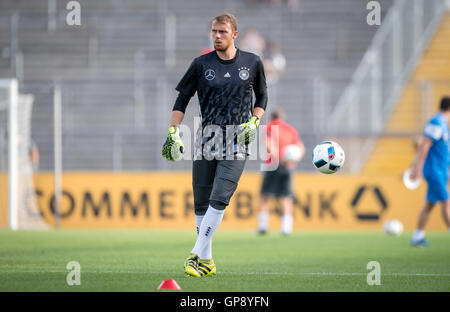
{"type": "Point", "coordinates": [138, 260]}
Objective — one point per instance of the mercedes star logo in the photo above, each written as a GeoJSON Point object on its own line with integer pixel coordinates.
{"type": "Point", "coordinates": [210, 74]}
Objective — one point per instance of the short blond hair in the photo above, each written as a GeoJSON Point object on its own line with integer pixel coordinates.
{"type": "Point", "coordinates": [227, 18]}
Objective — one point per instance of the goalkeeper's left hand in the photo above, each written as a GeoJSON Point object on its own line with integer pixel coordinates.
{"type": "Point", "coordinates": [173, 147]}
{"type": "Point", "coordinates": [247, 131]}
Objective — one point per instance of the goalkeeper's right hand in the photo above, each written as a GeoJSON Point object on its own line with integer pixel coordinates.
{"type": "Point", "coordinates": [173, 147]}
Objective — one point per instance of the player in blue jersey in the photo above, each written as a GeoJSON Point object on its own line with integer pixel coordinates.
{"type": "Point", "coordinates": [432, 161]}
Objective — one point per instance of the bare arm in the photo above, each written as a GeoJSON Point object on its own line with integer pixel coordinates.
{"type": "Point", "coordinates": [258, 112]}
{"type": "Point", "coordinates": [177, 118]}
{"type": "Point", "coordinates": [271, 150]}
{"type": "Point", "coordinates": [422, 152]}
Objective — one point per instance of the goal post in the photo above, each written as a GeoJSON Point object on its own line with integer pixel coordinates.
{"type": "Point", "coordinates": [9, 98]}
{"type": "Point", "coordinates": [17, 192]}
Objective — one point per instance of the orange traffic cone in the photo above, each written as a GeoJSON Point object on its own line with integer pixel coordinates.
{"type": "Point", "coordinates": [169, 284]}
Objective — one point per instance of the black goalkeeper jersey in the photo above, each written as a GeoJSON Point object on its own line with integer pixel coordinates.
{"type": "Point", "coordinates": [225, 87]}
{"type": "Point", "coordinates": [225, 92]}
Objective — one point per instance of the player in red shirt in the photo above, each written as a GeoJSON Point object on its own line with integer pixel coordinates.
{"type": "Point", "coordinates": [277, 183]}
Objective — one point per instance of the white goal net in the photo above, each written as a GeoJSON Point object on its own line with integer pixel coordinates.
{"type": "Point", "coordinates": [18, 204]}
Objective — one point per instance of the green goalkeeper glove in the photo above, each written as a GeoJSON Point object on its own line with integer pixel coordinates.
{"type": "Point", "coordinates": [173, 147]}
{"type": "Point", "coordinates": [247, 131]}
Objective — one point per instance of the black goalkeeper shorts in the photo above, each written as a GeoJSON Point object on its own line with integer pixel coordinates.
{"type": "Point", "coordinates": [214, 181]}
{"type": "Point", "coordinates": [277, 183]}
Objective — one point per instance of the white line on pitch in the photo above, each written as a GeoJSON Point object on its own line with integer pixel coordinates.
{"type": "Point", "coordinates": [237, 273]}
{"type": "Point", "coordinates": [336, 273]}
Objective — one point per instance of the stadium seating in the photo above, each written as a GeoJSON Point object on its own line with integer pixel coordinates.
{"type": "Point", "coordinates": [394, 154]}
{"type": "Point", "coordinates": [118, 90]}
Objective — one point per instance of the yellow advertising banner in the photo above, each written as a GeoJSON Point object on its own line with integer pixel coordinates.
{"type": "Point", "coordinates": [165, 200]}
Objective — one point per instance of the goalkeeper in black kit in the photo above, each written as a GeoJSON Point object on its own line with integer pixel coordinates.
{"type": "Point", "coordinates": [225, 80]}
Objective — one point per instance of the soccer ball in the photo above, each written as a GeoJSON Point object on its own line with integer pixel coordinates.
{"type": "Point", "coordinates": [292, 153]}
{"type": "Point", "coordinates": [393, 227]}
{"type": "Point", "coordinates": [328, 157]}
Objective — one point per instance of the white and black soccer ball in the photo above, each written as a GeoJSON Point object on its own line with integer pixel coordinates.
{"type": "Point", "coordinates": [328, 157]}
{"type": "Point", "coordinates": [393, 227]}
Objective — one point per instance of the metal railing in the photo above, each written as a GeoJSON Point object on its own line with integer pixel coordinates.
{"type": "Point", "coordinates": [377, 83]}
{"type": "Point", "coordinates": [379, 79]}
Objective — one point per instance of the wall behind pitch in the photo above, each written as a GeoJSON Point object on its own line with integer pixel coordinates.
{"type": "Point", "coordinates": [164, 200]}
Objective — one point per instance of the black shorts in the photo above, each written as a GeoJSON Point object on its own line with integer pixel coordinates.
{"type": "Point", "coordinates": [214, 180]}
{"type": "Point", "coordinates": [277, 183]}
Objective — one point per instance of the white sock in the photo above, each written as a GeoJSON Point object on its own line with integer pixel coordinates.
{"type": "Point", "coordinates": [198, 222]}
{"type": "Point", "coordinates": [206, 253]}
{"type": "Point", "coordinates": [263, 219]}
{"type": "Point", "coordinates": [418, 235]}
{"type": "Point", "coordinates": [286, 224]}
{"type": "Point", "coordinates": [210, 223]}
